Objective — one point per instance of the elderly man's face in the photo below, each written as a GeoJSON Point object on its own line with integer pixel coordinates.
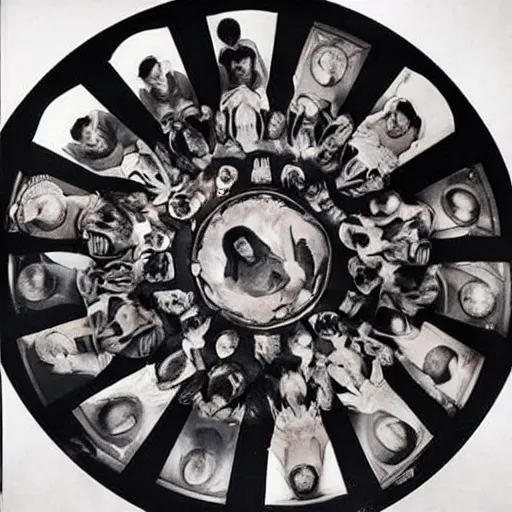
{"type": "Point", "coordinates": [397, 124]}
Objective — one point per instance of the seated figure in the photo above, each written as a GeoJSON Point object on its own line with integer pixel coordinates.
{"type": "Point", "coordinates": [373, 151]}
{"type": "Point", "coordinates": [167, 94]}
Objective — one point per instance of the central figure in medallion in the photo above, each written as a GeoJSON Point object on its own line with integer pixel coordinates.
{"type": "Point", "coordinates": [261, 260]}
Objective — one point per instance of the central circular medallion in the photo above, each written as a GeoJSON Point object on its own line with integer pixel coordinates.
{"type": "Point", "coordinates": [261, 260]}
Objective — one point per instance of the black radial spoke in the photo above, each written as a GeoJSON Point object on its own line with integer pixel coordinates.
{"type": "Point", "coordinates": [110, 90]}
{"type": "Point", "coordinates": [378, 73]}
{"type": "Point", "coordinates": [191, 35]}
{"type": "Point", "coordinates": [248, 475]}
{"type": "Point", "coordinates": [148, 461]}
{"type": "Point", "coordinates": [30, 322]}
{"type": "Point", "coordinates": [291, 35]}
{"type": "Point", "coordinates": [20, 243]}
{"type": "Point", "coordinates": [485, 341]}
{"type": "Point", "coordinates": [40, 160]}
{"type": "Point", "coordinates": [118, 369]}
{"type": "Point", "coordinates": [470, 249]}
{"type": "Point", "coordinates": [437, 162]}
{"type": "Point", "coordinates": [360, 480]}
{"type": "Point", "coordinates": [430, 413]}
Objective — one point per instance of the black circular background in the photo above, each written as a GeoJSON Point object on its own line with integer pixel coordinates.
{"type": "Point", "coordinates": [390, 53]}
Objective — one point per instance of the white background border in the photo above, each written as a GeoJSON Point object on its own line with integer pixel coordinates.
{"type": "Point", "coordinates": [470, 40]}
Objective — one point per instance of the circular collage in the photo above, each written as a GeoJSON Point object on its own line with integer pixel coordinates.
{"type": "Point", "coordinates": [258, 256]}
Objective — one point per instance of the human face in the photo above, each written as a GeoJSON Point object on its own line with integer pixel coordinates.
{"type": "Point", "coordinates": [244, 249]}
{"type": "Point", "coordinates": [242, 70]}
{"type": "Point", "coordinates": [157, 79]}
{"type": "Point", "coordinates": [174, 301]}
{"type": "Point", "coordinates": [304, 480]}
{"type": "Point", "coordinates": [93, 139]}
{"type": "Point", "coordinates": [47, 211]}
{"type": "Point", "coordinates": [397, 124]}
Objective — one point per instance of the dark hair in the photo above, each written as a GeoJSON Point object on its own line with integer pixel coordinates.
{"type": "Point", "coordinates": [228, 31]}
{"type": "Point", "coordinates": [78, 128]}
{"type": "Point", "coordinates": [406, 108]}
{"type": "Point", "coordinates": [300, 470]}
{"type": "Point", "coordinates": [259, 247]}
{"type": "Point", "coordinates": [436, 363]}
{"type": "Point", "coordinates": [146, 66]}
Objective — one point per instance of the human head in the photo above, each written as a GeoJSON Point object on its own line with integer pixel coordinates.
{"type": "Point", "coordinates": [304, 480]}
{"type": "Point", "coordinates": [108, 229]}
{"type": "Point", "coordinates": [241, 243]}
{"type": "Point", "coordinates": [402, 118]}
{"type": "Point", "coordinates": [36, 282]}
{"type": "Point", "coordinates": [439, 363]}
{"type": "Point", "coordinates": [226, 383]}
{"type": "Point", "coordinates": [119, 416]}
{"type": "Point", "coordinates": [174, 302]}
{"type": "Point", "coordinates": [229, 32]}
{"type": "Point", "coordinates": [92, 138]}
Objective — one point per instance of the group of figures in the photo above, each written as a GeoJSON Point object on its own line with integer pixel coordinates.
{"type": "Point", "coordinates": [262, 270]}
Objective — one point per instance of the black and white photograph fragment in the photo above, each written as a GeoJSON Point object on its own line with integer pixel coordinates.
{"type": "Point", "coordinates": [271, 303]}
{"type": "Point", "coordinates": [201, 461]}
{"type": "Point", "coordinates": [118, 419]}
{"type": "Point", "coordinates": [391, 435]}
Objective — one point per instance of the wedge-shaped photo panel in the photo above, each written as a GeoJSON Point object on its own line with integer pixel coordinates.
{"type": "Point", "coordinates": [299, 453]}
{"type": "Point", "coordinates": [444, 367]}
{"type": "Point", "coordinates": [119, 418]}
{"type": "Point", "coordinates": [463, 205]}
{"type": "Point", "coordinates": [329, 64]}
{"type": "Point", "coordinates": [78, 127]}
{"type": "Point", "coordinates": [63, 358]}
{"type": "Point", "coordinates": [42, 281]}
{"type": "Point", "coordinates": [244, 43]}
{"type": "Point", "coordinates": [409, 118]}
{"type": "Point", "coordinates": [151, 66]}
{"type": "Point", "coordinates": [201, 462]}
{"type": "Point", "coordinates": [476, 293]}
{"type": "Point", "coordinates": [391, 435]}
